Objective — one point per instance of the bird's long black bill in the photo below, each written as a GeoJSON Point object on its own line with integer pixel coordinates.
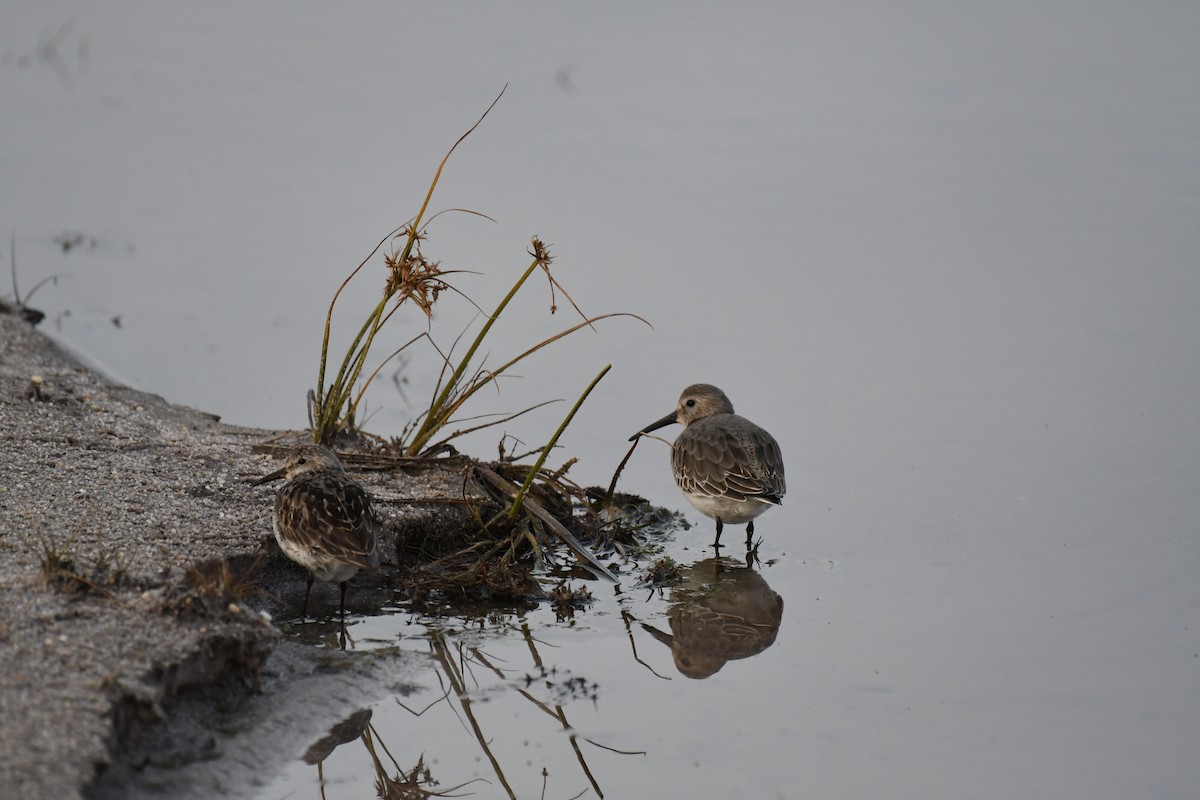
{"type": "Point", "coordinates": [274, 476]}
{"type": "Point", "coordinates": [653, 426]}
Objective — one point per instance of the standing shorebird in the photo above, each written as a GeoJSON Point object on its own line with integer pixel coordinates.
{"type": "Point", "coordinates": [726, 466]}
{"type": "Point", "coordinates": [323, 519]}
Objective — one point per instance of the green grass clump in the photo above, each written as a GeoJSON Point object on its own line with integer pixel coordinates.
{"type": "Point", "coordinates": [416, 280]}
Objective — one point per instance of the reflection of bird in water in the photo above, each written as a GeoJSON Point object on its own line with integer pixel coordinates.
{"type": "Point", "coordinates": [342, 733]}
{"type": "Point", "coordinates": [721, 612]}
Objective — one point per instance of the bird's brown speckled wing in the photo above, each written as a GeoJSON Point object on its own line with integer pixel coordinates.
{"type": "Point", "coordinates": [328, 513]}
{"type": "Point", "coordinates": [717, 459]}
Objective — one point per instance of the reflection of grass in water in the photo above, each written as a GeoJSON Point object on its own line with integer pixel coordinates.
{"type": "Point", "coordinates": [454, 663]}
{"type": "Point", "coordinates": [456, 666]}
{"type": "Point", "coordinates": [415, 784]}
{"type": "Point", "coordinates": [471, 680]}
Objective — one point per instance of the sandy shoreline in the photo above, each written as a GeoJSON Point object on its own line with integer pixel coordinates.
{"type": "Point", "coordinates": [131, 493]}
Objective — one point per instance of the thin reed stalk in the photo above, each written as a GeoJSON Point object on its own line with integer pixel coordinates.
{"type": "Point", "coordinates": [533, 471]}
{"type": "Point", "coordinates": [418, 284]}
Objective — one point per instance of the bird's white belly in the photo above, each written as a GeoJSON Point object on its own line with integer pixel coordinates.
{"type": "Point", "coordinates": [323, 566]}
{"type": "Point", "coordinates": [727, 509]}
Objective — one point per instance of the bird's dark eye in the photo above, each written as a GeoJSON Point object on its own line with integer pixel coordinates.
{"type": "Point", "coordinates": [690, 403]}
{"type": "Point", "coordinates": [302, 461]}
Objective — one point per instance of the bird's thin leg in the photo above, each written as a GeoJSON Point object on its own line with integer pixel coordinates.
{"type": "Point", "coordinates": [343, 609]}
{"type": "Point", "coordinates": [717, 541]}
{"type": "Point", "coordinates": [749, 533]}
{"type": "Point", "coordinates": [307, 589]}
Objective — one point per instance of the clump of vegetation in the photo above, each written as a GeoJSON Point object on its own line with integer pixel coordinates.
{"type": "Point", "coordinates": [413, 279]}
{"type": "Point", "coordinates": [215, 588]}
{"type": "Point", "coordinates": [63, 568]}
{"type": "Point", "coordinates": [21, 304]}
{"type": "Point", "coordinates": [534, 506]}
{"type": "Point", "coordinates": [509, 558]}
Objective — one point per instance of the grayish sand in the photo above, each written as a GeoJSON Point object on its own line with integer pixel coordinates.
{"type": "Point", "coordinates": [136, 492]}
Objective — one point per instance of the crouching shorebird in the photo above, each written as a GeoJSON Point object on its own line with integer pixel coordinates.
{"type": "Point", "coordinates": [726, 466]}
{"type": "Point", "coordinates": [323, 519]}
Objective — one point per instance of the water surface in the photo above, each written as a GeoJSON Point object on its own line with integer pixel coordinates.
{"type": "Point", "coordinates": [946, 255]}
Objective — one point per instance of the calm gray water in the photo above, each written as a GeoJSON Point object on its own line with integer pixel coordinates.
{"type": "Point", "coordinates": [946, 254]}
